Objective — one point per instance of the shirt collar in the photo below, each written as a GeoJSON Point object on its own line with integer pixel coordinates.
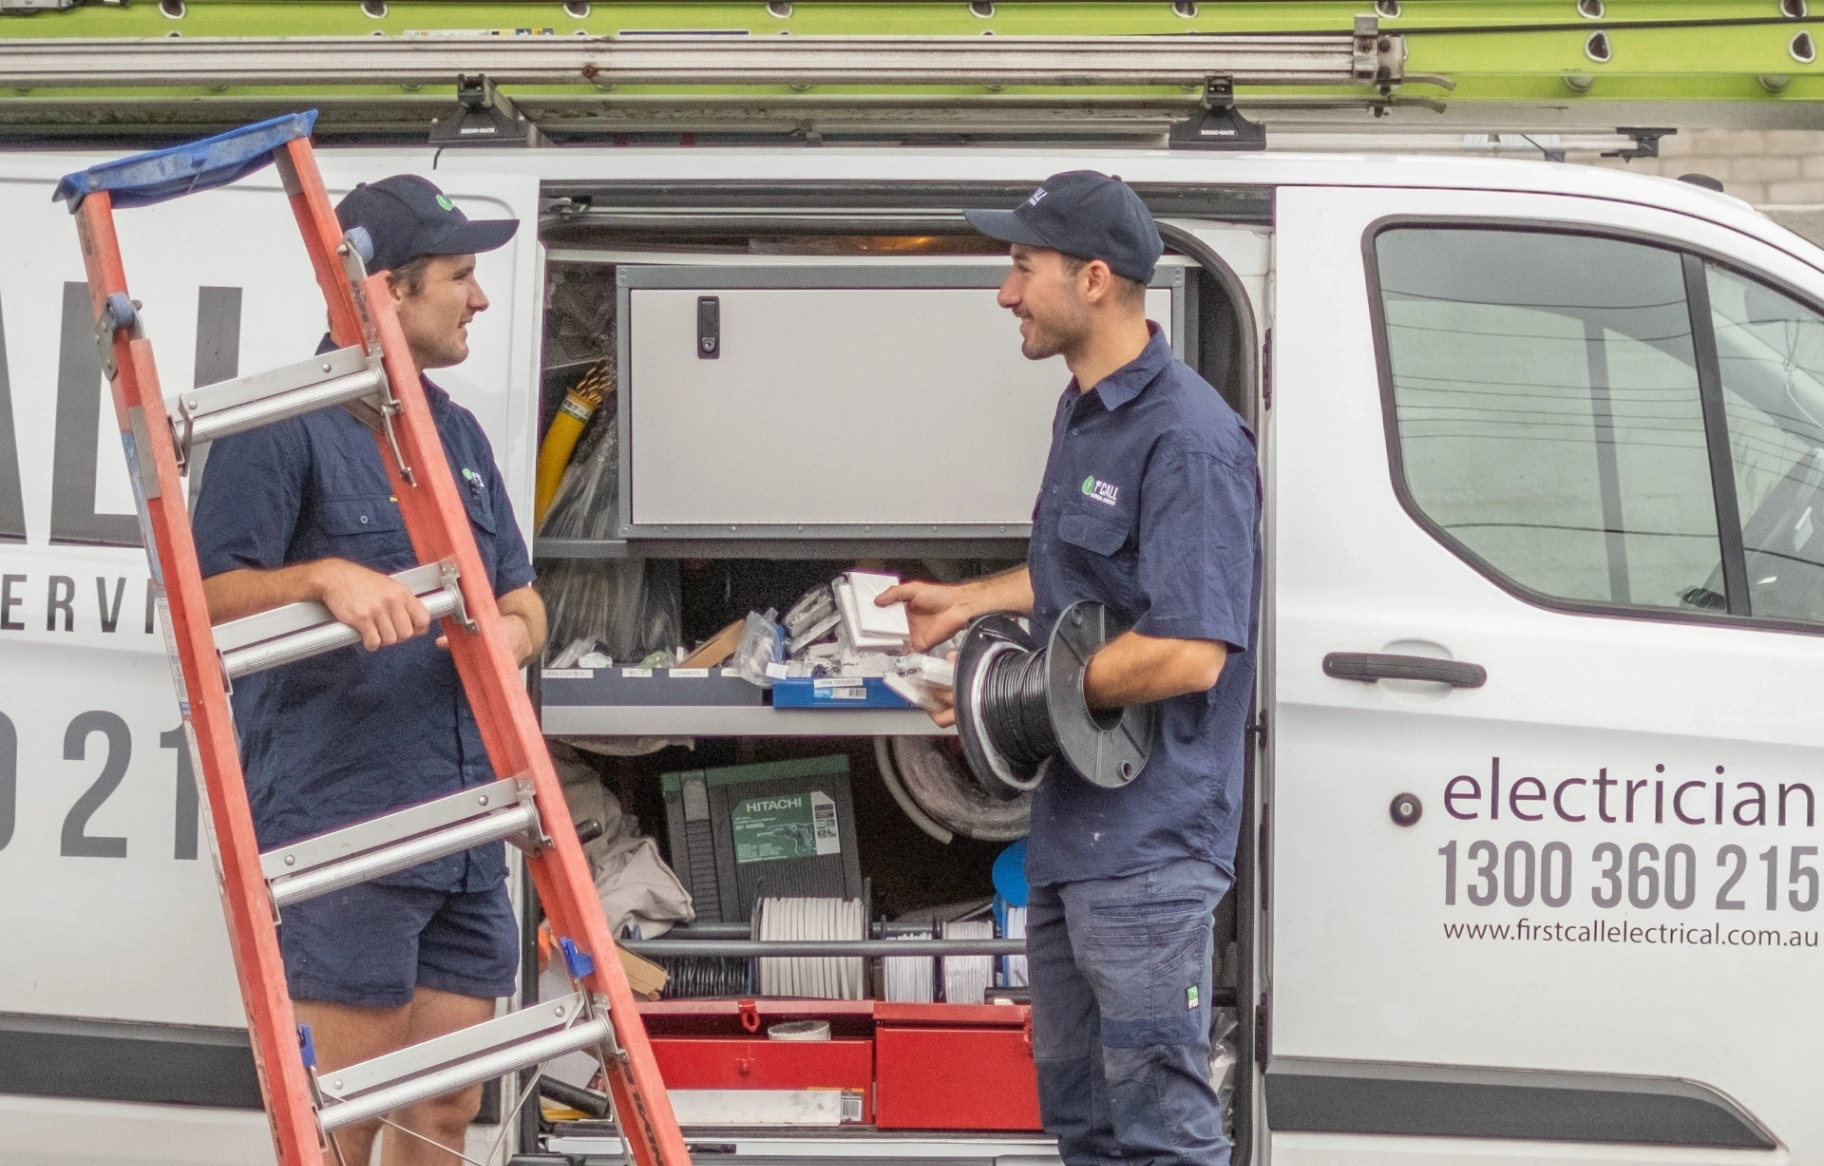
{"type": "Point", "coordinates": [432, 393]}
{"type": "Point", "coordinates": [1130, 380]}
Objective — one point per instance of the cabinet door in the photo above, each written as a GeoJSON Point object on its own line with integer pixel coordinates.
{"type": "Point", "coordinates": [1570, 893]}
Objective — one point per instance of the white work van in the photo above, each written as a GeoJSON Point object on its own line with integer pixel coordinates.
{"type": "Point", "coordinates": [1530, 871]}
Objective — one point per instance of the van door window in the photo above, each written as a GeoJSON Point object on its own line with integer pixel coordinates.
{"type": "Point", "coordinates": [1770, 353]}
{"type": "Point", "coordinates": [1546, 411]}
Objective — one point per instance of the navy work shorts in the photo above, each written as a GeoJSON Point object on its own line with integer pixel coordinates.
{"type": "Point", "coordinates": [370, 945]}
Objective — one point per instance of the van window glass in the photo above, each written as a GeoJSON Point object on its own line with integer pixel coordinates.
{"type": "Point", "coordinates": [1770, 351]}
{"type": "Point", "coordinates": [1546, 403]}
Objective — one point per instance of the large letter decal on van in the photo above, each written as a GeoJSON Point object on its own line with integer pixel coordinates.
{"type": "Point", "coordinates": [218, 356]}
{"type": "Point", "coordinates": [12, 502]}
{"type": "Point", "coordinates": [73, 517]}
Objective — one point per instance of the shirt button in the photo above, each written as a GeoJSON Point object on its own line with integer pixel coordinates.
{"type": "Point", "coordinates": [364, 520]}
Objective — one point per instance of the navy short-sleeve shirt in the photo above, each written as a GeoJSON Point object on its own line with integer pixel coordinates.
{"type": "Point", "coordinates": [352, 734]}
{"type": "Point", "coordinates": [1151, 505]}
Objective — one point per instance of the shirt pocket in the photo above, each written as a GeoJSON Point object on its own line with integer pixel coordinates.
{"type": "Point", "coordinates": [358, 515]}
{"type": "Point", "coordinates": [481, 510]}
{"type": "Point", "coordinates": [1102, 534]}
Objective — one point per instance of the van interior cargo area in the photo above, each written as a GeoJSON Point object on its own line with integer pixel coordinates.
{"type": "Point", "coordinates": [734, 417]}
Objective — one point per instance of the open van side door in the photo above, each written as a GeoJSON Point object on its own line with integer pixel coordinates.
{"type": "Point", "coordinates": [1548, 634]}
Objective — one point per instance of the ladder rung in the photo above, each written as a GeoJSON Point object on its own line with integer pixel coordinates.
{"type": "Point", "coordinates": [398, 841]}
{"type": "Point", "coordinates": [447, 1063]}
{"type": "Point", "coordinates": [298, 631]}
{"type": "Point", "coordinates": [236, 406]}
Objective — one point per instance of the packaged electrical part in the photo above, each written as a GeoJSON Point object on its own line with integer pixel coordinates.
{"type": "Point", "coordinates": [916, 676]}
{"type": "Point", "coordinates": [762, 644]}
{"type": "Point", "coordinates": [813, 634]}
{"type": "Point", "coordinates": [913, 691]}
{"type": "Point", "coordinates": [813, 607]}
{"type": "Point", "coordinates": [930, 669]}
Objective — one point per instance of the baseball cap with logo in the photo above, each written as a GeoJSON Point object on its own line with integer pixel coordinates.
{"type": "Point", "coordinates": [1085, 214]}
{"type": "Point", "coordinates": [407, 218]}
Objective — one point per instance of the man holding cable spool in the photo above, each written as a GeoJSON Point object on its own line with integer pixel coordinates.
{"type": "Point", "coordinates": [1125, 707]}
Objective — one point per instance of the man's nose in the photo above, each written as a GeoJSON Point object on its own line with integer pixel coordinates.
{"type": "Point", "coordinates": [1007, 297]}
{"type": "Point", "coordinates": [478, 299]}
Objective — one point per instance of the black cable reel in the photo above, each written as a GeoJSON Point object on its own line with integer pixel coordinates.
{"type": "Point", "coordinates": [1018, 705]}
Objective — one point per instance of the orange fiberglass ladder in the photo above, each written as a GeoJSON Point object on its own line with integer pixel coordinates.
{"type": "Point", "coordinates": [370, 373]}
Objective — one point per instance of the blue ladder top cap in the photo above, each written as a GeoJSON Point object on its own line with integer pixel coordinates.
{"type": "Point", "coordinates": [580, 962]}
{"type": "Point", "coordinates": [175, 171]}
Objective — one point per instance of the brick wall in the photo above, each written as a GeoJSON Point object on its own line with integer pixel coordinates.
{"type": "Point", "coordinates": [1779, 171]}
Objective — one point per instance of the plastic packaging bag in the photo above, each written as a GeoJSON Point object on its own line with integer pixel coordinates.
{"type": "Point", "coordinates": [762, 643]}
{"type": "Point", "coordinates": [631, 607]}
{"type": "Point", "coordinates": [1224, 1028]}
{"type": "Point", "coordinates": [584, 505]}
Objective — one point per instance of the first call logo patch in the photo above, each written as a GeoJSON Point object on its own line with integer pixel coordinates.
{"type": "Point", "coordinates": [1106, 493]}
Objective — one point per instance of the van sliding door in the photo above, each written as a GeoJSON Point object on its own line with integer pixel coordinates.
{"type": "Point", "coordinates": [1547, 627]}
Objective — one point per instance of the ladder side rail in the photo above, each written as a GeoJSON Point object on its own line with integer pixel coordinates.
{"type": "Point", "coordinates": [203, 699]}
{"type": "Point", "coordinates": [438, 523]}
{"type": "Point", "coordinates": [297, 166]}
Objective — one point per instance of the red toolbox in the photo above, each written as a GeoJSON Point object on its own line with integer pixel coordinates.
{"type": "Point", "coordinates": [954, 1067]}
{"type": "Point", "coordinates": [723, 1044]}
{"type": "Point", "coordinates": [916, 1066]}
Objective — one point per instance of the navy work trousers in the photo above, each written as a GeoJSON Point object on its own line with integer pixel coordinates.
{"type": "Point", "coordinates": [1120, 972]}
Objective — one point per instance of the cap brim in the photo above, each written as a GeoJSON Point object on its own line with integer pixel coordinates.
{"type": "Point", "coordinates": [1007, 226]}
{"type": "Point", "coordinates": [476, 236]}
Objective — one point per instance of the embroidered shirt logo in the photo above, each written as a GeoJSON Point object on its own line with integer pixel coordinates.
{"type": "Point", "coordinates": [1106, 493]}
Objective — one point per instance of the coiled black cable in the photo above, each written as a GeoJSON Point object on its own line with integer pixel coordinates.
{"type": "Point", "coordinates": [1014, 709]}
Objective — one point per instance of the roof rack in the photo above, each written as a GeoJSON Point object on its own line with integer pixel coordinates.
{"type": "Point", "coordinates": [1022, 69]}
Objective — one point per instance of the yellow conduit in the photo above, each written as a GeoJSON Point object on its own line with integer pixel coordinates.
{"type": "Point", "coordinates": [560, 440]}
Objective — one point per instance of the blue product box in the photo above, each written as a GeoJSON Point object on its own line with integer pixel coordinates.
{"type": "Point", "coordinates": [836, 692]}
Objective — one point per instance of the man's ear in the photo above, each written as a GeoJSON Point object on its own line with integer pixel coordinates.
{"type": "Point", "coordinates": [1098, 281]}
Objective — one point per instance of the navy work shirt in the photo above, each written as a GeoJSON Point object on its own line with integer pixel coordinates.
{"type": "Point", "coordinates": [352, 734]}
{"type": "Point", "coordinates": [1150, 504]}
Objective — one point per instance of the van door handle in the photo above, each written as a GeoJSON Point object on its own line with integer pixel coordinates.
{"type": "Point", "coordinates": [1371, 666]}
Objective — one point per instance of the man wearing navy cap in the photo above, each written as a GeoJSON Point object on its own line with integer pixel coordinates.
{"type": "Point", "coordinates": [1149, 504]}
{"type": "Point", "coordinates": [302, 510]}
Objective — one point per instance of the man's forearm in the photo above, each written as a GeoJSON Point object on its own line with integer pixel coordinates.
{"type": "Point", "coordinates": [234, 594]}
{"type": "Point", "coordinates": [1008, 591]}
{"type": "Point", "coordinates": [524, 606]}
{"type": "Point", "coordinates": [1135, 669]}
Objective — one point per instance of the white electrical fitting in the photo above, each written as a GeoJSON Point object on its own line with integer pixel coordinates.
{"type": "Point", "coordinates": [866, 627]}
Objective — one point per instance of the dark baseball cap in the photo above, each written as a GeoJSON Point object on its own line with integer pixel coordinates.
{"type": "Point", "coordinates": [1085, 214]}
{"type": "Point", "coordinates": [407, 217]}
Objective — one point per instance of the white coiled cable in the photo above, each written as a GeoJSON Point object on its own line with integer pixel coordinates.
{"type": "Point", "coordinates": [967, 978]}
{"type": "Point", "coordinates": [911, 979]}
{"type": "Point", "coordinates": [809, 919]}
